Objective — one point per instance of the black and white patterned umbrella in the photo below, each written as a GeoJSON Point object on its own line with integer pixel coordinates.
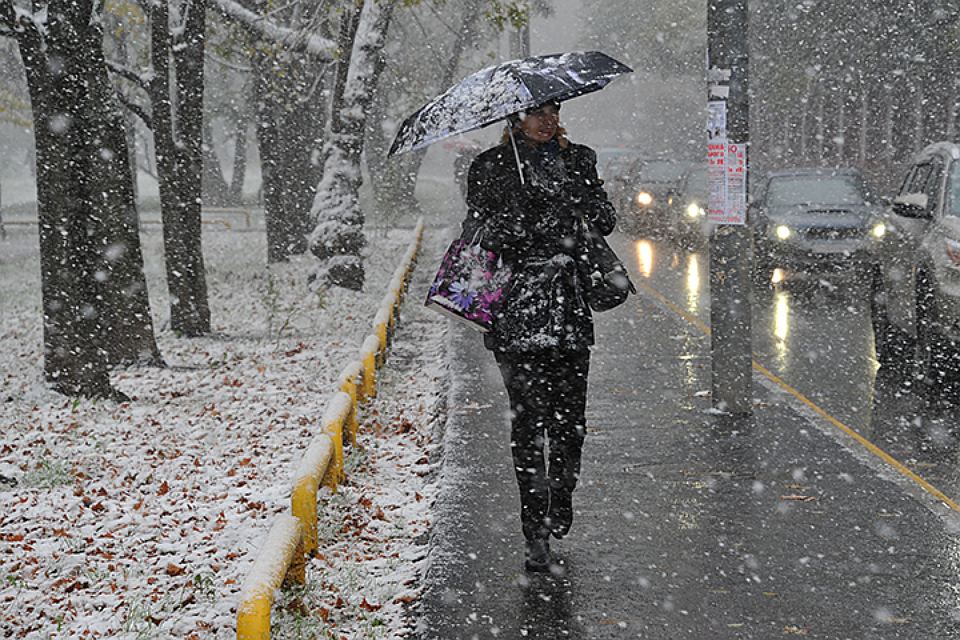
{"type": "Point", "coordinates": [496, 92]}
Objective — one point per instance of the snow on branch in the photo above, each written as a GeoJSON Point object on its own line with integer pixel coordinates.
{"type": "Point", "coordinates": [142, 80]}
{"type": "Point", "coordinates": [135, 109]}
{"type": "Point", "coordinates": [368, 44]}
{"type": "Point", "coordinates": [15, 20]}
{"type": "Point", "coordinates": [226, 63]}
{"type": "Point", "coordinates": [320, 47]}
{"type": "Point", "coordinates": [7, 19]}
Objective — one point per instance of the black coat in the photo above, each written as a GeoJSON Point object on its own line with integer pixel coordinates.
{"type": "Point", "coordinates": [535, 229]}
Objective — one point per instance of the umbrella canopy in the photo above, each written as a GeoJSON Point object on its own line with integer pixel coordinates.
{"type": "Point", "coordinates": [496, 92]}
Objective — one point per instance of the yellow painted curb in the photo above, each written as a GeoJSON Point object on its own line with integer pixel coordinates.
{"type": "Point", "coordinates": [368, 356]}
{"type": "Point", "coordinates": [279, 561]}
{"type": "Point", "coordinates": [282, 558]}
{"type": "Point", "coordinates": [306, 482]}
{"type": "Point", "coordinates": [332, 424]}
{"type": "Point", "coordinates": [349, 382]}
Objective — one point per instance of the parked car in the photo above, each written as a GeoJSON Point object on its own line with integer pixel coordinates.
{"type": "Point", "coordinates": [688, 208]}
{"type": "Point", "coordinates": [915, 301]}
{"type": "Point", "coordinates": [817, 220]}
{"type": "Point", "coordinates": [643, 192]}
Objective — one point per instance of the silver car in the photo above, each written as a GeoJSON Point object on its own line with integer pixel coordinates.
{"type": "Point", "coordinates": [916, 285]}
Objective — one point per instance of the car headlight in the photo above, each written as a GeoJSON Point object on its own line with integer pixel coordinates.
{"type": "Point", "coordinates": [644, 199]}
{"type": "Point", "coordinates": [879, 230]}
{"type": "Point", "coordinates": [694, 210]}
{"type": "Point", "coordinates": [783, 231]}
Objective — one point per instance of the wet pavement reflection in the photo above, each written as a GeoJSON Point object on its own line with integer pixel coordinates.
{"type": "Point", "coordinates": [691, 525]}
{"type": "Point", "coordinates": [815, 334]}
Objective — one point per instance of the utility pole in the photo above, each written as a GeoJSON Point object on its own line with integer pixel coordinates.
{"type": "Point", "coordinates": [730, 247]}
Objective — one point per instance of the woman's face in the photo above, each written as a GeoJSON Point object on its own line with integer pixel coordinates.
{"type": "Point", "coordinates": [540, 126]}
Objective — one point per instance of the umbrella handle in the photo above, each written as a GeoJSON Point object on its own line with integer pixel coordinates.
{"type": "Point", "coordinates": [516, 154]}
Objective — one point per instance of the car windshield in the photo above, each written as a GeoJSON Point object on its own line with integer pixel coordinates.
{"type": "Point", "coordinates": [802, 190]}
{"type": "Point", "coordinates": [662, 171]}
{"type": "Point", "coordinates": [953, 191]}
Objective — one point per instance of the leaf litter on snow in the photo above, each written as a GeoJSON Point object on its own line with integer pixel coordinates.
{"type": "Point", "coordinates": [373, 532]}
{"type": "Point", "coordinates": [140, 520]}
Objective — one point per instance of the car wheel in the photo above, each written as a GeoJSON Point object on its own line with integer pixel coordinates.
{"type": "Point", "coordinates": [934, 350]}
{"type": "Point", "coordinates": [892, 345]}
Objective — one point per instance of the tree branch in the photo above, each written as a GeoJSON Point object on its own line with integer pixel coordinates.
{"type": "Point", "coordinates": [14, 20]}
{"type": "Point", "coordinates": [142, 80]}
{"type": "Point", "coordinates": [136, 110]}
{"type": "Point", "coordinates": [227, 63]}
{"type": "Point", "coordinates": [427, 39]}
{"type": "Point", "coordinates": [8, 19]}
{"type": "Point", "coordinates": [321, 48]}
{"type": "Point", "coordinates": [441, 20]}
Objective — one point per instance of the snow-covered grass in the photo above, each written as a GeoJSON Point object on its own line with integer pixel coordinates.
{"type": "Point", "coordinates": [140, 520]}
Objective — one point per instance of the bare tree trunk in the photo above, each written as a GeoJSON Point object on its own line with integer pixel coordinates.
{"type": "Point", "coordinates": [918, 128]}
{"type": "Point", "coordinates": [864, 123]}
{"type": "Point", "coordinates": [214, 184]}
{"type": "Point", "coordinates": [888, 126]}
{"type": "Point", "coordinates": [95, 305]}
{"type": "Point", "coordinates": [241, 126]}
{"type": "Point", "coordinates": [841, 135]}
{"type": "Point", "coordinates": [337, 238]}
{"type": "Point", "coordinates": [290, 121]}
{"type": "Point", "coordinates": [807, 102]}
{"type": "Point", "coordinates": [394, 181]}
{"type": "Point", "coordinates": [950, 117]}
{"type": "Point", "coordinates": [178, 145]}
{"type": "Point", "coordinates": [821, 142]}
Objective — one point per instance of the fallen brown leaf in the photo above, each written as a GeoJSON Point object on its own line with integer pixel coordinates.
{"type": "Point", "coordinates": [366, 606]}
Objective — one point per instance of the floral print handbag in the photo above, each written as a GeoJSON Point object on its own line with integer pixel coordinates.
{"type": "Point", "coordinates": [471, 285]}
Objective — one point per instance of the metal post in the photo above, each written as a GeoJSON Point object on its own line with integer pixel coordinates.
{"type": "Point", "coordinates": [731, 245]}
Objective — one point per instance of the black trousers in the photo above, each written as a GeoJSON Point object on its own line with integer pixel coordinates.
{"type": "Point", "coordinates": [548, 399]}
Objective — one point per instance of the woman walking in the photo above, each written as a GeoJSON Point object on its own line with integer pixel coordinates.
{"type": "Point", "coordinates": [542, 338]}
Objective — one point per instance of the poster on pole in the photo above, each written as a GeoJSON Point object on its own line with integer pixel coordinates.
{"type": "Point", "coordinates": [736, 173]}
{"type": "Point", "coordinates": [726, 170]}
{"type": "Point", "coordinates": [716, 159]}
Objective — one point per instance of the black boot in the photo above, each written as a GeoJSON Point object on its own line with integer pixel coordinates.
{"type": "Point", "coordinates": [538, 556]}
{"type": "Point", "coordinates": [561, 513]}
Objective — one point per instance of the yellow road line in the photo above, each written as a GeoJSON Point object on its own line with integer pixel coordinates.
{"type": "Point", "coordinates": [872, 448]}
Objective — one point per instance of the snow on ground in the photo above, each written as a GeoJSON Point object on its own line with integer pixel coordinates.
{"type": "Point", "coordinates": [377, 526]}
{"type": "Point", "coordinates": [140, 520]}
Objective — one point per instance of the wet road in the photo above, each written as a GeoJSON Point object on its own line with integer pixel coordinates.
{"type": "Point", "coordinates": [814, 334]}
{"type": "Point", "coordinates": [691, 526]}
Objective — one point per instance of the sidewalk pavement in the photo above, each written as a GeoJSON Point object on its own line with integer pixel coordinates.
{"type": "Point", "coordinates": [688, 525]}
